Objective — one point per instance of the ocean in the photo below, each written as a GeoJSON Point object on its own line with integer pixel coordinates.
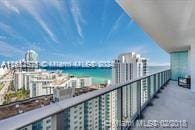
{"type": "Point", "coordinates": [99, 75]}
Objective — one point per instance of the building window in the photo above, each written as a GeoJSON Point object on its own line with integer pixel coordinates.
{"type": "Point", "coordinates": [48, 121]}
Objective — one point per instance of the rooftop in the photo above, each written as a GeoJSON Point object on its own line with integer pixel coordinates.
{"type": "Point", "coordinates": [15, 108]}
{"type": "Point", "coordinates": [18, 107]}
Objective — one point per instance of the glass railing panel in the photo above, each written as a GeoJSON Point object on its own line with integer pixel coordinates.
{"type": "Point", "coordinates": [134, 92]}
{"type": "Point", "coordinates": [156, 82]}
{"type": "Point", "coordinates": [44, 124]}
{"type": "Point", "coordinates": [144, 91]}
{"type": "Point", "coordinates": [152, 86]}
{"type": "Point", "coordinates": [163, 81]}
{"type": "Point", "coordinates": [126, 105]}
{"type": "Point", "coordinates": [160, 81]}
{"type": "Point", "coordinates": [163, 77]}
{"type": "Point", "coordinates": [109, 110]}
{"type": "Point", "coordinates": [102, 112]}
{"type": "Point", "coordinates": [129, 104]}
{"type": "Point", "coordinates": [166, 76]}
{"type": "Point", "coordinates": [98, 113]}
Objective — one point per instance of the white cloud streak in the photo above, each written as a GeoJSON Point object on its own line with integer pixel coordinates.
{"type": "Point", "coordinates": [77, 17]}
{"type": "Point", "coordinates": [130, 23]}
{"type": "Point", "coordinates": [115, 26]}
{"type": "Point", "coordinates": [103, 19]}
{"type": "Point", "coordinates": [7, 29]}
{"type": "Point", "coordinates": [33, 8]}
{"type": "Point", "coordinates": [9, 6]}
{"type": "Point", "coordinates": [8, 50]}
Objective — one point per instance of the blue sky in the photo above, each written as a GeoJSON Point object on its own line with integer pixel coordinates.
{"type": "Point", "coordinates": [69, 30]}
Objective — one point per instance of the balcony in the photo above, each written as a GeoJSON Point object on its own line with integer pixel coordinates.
{"type": "Point", "coordinates": [128, 102]}
{"type": "Point", "coordinates": [174, 103]}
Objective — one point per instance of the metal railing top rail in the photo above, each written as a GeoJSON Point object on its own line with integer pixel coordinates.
{"type": "Point", "coordinates": [27, 118]}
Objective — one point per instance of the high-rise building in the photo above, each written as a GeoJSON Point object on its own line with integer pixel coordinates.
{"type": "Point", "coordinates": [126, 67]}
{"type": "Point", "coordinates": [31, 56]}
{"type": "Point", "coordinates": [31, 61]}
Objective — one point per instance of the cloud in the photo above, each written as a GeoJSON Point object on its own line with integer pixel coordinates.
{"type": "Point", "coordinates": [46, 28]}
{"type": "Point", "coordinates": [77, 17]}
{"type": "Point", "coordinates": [115, 26]}
{"type": "Point", "coordinates": [139, 49]}
{"type": "Point", "coordinates": [8, 50]}
{"type": "Point", "coordinates": [7, 29]}
{"type": "Point", "coordinates": [33, 8]}
{"type": "Point", "coordinates": [9, 6]}
{"type": "Point", "coordinates": [117, 22]}
{"type": "Point", "coordinates": [36, 9]}
{"type": "Point", "coordinates": [103, 18]}
{"type": "Point", "coordinates": [32, 46]}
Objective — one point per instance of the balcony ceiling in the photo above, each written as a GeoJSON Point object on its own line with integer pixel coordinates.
{"type": "Point", "coordinates": [171, 23]}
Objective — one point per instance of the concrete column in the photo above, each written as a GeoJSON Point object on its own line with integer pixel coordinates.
{"type": "Point", "coordinates": [192, 63]}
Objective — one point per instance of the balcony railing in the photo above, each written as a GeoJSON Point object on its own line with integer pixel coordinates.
{"type": "Point", "coordinates": [108, 108]}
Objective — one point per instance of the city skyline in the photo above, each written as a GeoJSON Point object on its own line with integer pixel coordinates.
{"type": "Point", "coordinates": [68, 31]}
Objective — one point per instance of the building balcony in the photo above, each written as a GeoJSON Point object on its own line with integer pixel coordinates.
{"type": "Point", "coordinates": [174, 105]}
{"type": "Point", "coordinates": [128, 102]}
{"type": "Point", "coordinates": [158, 104]}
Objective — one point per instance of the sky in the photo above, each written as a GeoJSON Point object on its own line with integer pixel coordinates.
{"type": "Point", "coordinates": [72, 30]}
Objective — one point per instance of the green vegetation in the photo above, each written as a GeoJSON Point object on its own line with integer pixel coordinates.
{"type": "Point", "coordinates": [1, 86]}
{"type": "Point", "coordinates": [16, 96]}
{"type": "Point", "coordinates": [11, 86]}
